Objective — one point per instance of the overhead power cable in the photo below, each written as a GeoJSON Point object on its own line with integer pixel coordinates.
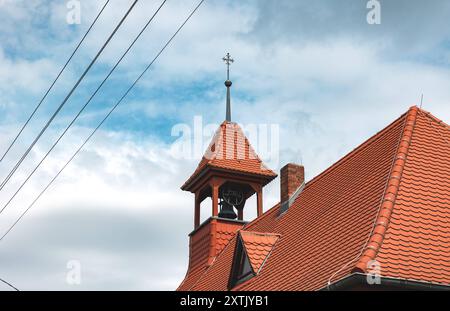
{"type": "Point", "coordinates": [11, 173]}
{"type": "Point", "coordinates": [103, 121]}
{"type": "Point", "coordinates": [85, 105]}
{"type": "Point", "coordinates": [53, 83]}
{"type": "Point", "coordinates": [9, 284]}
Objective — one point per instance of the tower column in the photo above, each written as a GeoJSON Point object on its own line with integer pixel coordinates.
{"type": "Point", "coordinates": [197, 211]}
{"type": "Point", "coordinates": [259, 204]}
{"type": "Point", "coordinates": [241, 214]}
{"type": "Point", "coordinates": [215, 185]}
{"type": "Point", "coordinates": [259, 200]}
{"type": "Point", "coordinates": [215, 200]}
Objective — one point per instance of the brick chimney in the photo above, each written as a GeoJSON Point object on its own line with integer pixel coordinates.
{"type": "Point", "coordinates": [292, 177]}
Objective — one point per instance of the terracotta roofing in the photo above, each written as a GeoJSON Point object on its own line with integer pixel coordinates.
{"type": "Point", "coordinates": [387, 200]}
{"type": "Point", "coordinates": [231, 150]}
{"type": "Point", "coordinates": [416, 243]}
{"type": "Point", "coordinates": [203, 250]}
{"type": "Point", "coordinates": [258, 247]}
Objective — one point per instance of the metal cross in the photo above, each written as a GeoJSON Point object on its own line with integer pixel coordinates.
{"type": "Point", "coordinates": [228, 60]}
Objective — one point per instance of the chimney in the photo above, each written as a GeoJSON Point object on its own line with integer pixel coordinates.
{"type": "Point", "coordinates": [292, 177]}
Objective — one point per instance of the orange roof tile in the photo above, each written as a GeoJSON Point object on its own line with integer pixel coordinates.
{"type": "Point", "coordinates": [388, 200]}
{"type": "Point", "coordinates": [416, 243]}
{"type": "Point", "coordinates": [258, 247]}
{"type": "Point", "coordinates": [231, 150]}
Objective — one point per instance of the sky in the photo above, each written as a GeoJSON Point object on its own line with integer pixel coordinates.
{"type": "Point", "coordinates": [316, 74]}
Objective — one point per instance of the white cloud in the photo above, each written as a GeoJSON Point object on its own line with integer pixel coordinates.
{"type": "Point", "coordinates": [115, 191]}
{"type": "Point", "coordinates": [118, 207]}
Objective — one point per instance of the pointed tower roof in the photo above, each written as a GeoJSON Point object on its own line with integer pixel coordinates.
{"type": "Point", "coordinates": [230, 150]}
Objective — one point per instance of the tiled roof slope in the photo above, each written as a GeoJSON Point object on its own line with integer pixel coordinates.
{"type": "Point", "coordinates": [230, 149]}
{"type": "Point", "coordinates": [416, 244]}
{"type": "Point", "coordinates": [258, 247]}
{"type": "Point", "coordinates": [344, 217]}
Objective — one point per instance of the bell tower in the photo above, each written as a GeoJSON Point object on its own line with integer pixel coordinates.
{"type": "Point", "coordinates": [229, 173]}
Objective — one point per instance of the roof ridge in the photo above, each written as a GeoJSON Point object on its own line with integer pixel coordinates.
{"type": "Point", "coordinates": [432, 117]}
{"type": "Point", "coordinates": [217, 143]}
{"type": "Point", "coordinates": [382, 220]}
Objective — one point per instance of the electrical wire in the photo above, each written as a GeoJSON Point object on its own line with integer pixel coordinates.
{"type": "Point", "coordinates": [11, 173]}
{"type": "Point", "coordinates": [9, 284]}
{"type": "Point", "coordinates": [53, 83]}
{"type": "Point", "coordinates": [103, 121]}
{"type": "Point", "coordinates": [85, 105]}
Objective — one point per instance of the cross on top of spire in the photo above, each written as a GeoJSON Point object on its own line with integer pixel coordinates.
{"type": "Point", "coordinates": [228, 60]}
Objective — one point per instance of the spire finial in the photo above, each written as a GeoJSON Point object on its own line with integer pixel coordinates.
{"type": "Point", "coordinates": [228, 60]}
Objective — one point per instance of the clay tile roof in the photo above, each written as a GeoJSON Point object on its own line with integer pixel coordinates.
{"type": "Point", "coordinates": [416, 243]}
{"type": "Point", "coordinates": [231, 150]}
{"type": "Point", "coordinates": [388, 200]}
{"type": "Point", "coordinates": [258, 247]}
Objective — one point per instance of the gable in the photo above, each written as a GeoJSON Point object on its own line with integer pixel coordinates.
{"type": "Point", "coordinates": [258, 247]}
{"type": "Point", "coordinates": [242, 269]}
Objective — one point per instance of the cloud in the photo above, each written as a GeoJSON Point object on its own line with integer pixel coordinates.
{"type": "Point", "coordinates": [116, 250]}
{"type": "Point", "coordinates": [112, 210]}
{"type": "Point", "coordinates": [407, 27]}
{"type": "Point", "coordinates": [316, 69]}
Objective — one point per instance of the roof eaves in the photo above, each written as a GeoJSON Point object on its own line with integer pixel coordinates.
{"type": "Point", "coordinates": [266, 177]}
{"type": "Point", "coordinates": [350, 281]}
{"type": "Point", "coordinates": [269, 174]}
{"type": "Point", "coordinates": [195, 176]}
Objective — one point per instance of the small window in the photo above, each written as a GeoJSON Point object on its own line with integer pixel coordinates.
{"type": "Point", "coordinates": [242, 269]}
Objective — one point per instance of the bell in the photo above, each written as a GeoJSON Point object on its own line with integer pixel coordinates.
{"type": "Point", "coordinates": [226, 211]}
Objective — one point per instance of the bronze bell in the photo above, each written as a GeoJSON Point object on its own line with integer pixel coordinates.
{"type": "Point", "coordinates": [226, 210]}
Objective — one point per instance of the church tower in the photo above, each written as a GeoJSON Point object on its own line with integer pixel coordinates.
{"type": "Point", "coordinates": [229, 173]}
